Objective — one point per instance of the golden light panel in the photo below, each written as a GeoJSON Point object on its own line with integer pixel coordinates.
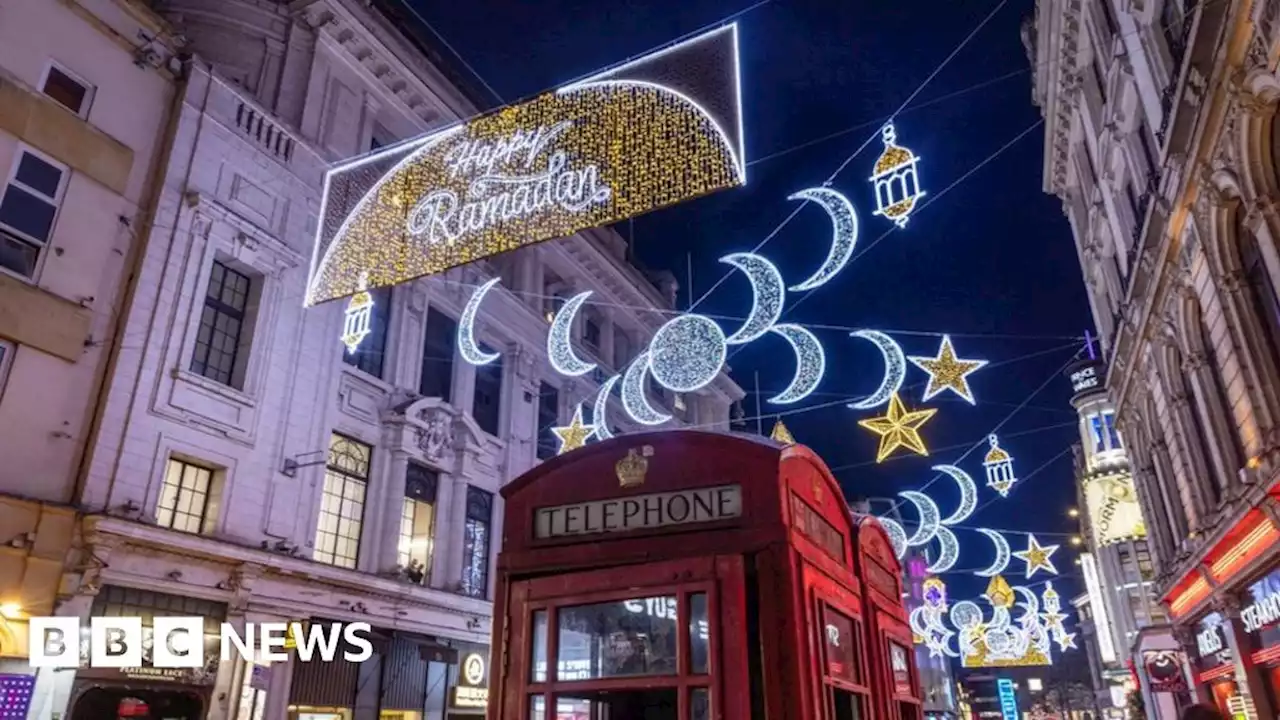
{"type": "Point", "coordinates": [651, 133]}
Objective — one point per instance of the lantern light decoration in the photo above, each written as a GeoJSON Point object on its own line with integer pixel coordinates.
{"type": "Point", "coordinates": [999, 467]}
{"type": "Point", "coordinates": [355, 326]}
{"type": "Point", "coordinates": [895, 179]}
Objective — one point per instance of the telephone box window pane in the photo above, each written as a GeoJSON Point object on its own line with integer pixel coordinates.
{"type": "Point", "coordinates": [539, 663]}
{"type": "Point", "coordinates": [537, 708]}
{"type": "Point", "coordinates": [899, 660]}
{"type": "Point", "coordinates": [700, 704]}
{"type": "Point", "coordinates": [842, 651]}
{"type": "Point", "coordinates": [626, 638]}
{"type": "Point", "coordinates": [699, 634]}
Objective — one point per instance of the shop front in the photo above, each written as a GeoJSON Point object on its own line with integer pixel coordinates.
{"type": "Point", "coordinates": [409, 677]}
{"type": "Point", "coordinates": [1260, 620]}
{"type": "Point", "coordinates": [147, 691]}
{"type": "Point", "coordinates": [1215, 666]}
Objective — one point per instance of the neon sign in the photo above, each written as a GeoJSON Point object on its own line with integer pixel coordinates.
{"type": "Point", "coordinates": [1008, 699]}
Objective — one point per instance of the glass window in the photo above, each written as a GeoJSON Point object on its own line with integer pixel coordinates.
{"type": "Point", "coordinates": [184, 497]}
{"type": "Point", "coordinates": [841, 646]}
{"type": "Point", "coordinates": [1109, 427]}
{"type": "Point", "coordinates": [646, 704]}
{"type": "Point", "coordinates": [538, 672]}
{"type": "Point", "coordinates": [369, 357]}
{"type": "Point", "coordinates": [219, 338]}
{"type": "Point", "coordinates": [624, 638]}
{"type": "Point", "coordinates": [437, 355]}
{"type": "Point", "coordinates": [27, 210]}
{"type": "Point", "coordinates": [67, 91]}
{"type": "Point", "coordinates": [548, 417]}
{"type": "Point", "coordinates": [1262, 293]}
{"type": "Point", "coordinates": [621, 347]}
{"type": "Point", "coordinates": [475, 543]}
{"type": "Point", "coordinates": [1096, 432]}
{"type": "Point", "coordinates": [417, 523]}
{"type": "Point", "coordinates": [253, 692]}
{"type": "Point", "coordinates": [487, 402]}
{"type": "Point", "coordinates": [591, 333]}
{"type": "Point", "coordinates": [699, 635]}
{"type": "Point", "coordinates": [700, 704]}
{"type": "Point", "coordinates": [346, 478]}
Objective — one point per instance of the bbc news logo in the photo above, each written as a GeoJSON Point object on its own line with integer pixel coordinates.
{"type": "Point", "coordinates": [180, 642]}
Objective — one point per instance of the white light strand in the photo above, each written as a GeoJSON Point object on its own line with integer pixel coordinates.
{"type": "Point", "coordinates": [895, 369]}
{"type": "Point", "coordinates": [560, 339]}
{"type": "Point", "coordinates": [687, 353]}
{"type": "Point", "coordinates": [844, 221]}
{"type": "Point", "coordinates": [768, 293]}
{"type": "Point", "coordinates": [811, 364]}
{"type": "Point", "coordinates": [467, 346]}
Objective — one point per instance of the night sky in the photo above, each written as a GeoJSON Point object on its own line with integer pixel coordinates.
{"type": "Point", "coordinates": [992, 261]}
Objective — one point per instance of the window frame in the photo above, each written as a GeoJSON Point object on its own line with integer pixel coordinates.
{"type": "Point", "coordinates": [448, 371]}
{"type": "Point", "coordinates": [481, 590]}
{"type": "Point", "coordinates": [64, 180]}
{"type": "Point", "coordinates": [205, 522]}
{"type": "Point", "coordinates": [355, 360]}
{"type": "Point", "coordinates": [347, 476]}
{"type": "Point", "coordinates": [412, 501]}
{"type": "Point", "coordinates": [90, 90]}
{"type": "Point", "coordinates": [497, 370]}
{"type": "Point", "coordinates": [244, 334]}
{"type": "Point", "coordinates": [546, 440]}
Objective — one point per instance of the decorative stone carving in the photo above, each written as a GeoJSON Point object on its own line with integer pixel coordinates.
{"type": "Point", "coordinates": [1229, 605]}
{"type": "Point", "coordinates": [437, 436]}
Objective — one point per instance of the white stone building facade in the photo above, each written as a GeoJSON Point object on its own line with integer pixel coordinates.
{"type": "Point", "coordinates": [87, 96]}
{"type": "Point", "coordinates": [1161, 142]}
{"type": "Point", "coordinates": [247, 468]}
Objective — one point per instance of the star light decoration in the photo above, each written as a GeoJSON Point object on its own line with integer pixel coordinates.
{"type": "Point", "coordinates": [899, 428]}
{"type": "Point", "coordinates": [1037, 557]}
{"type": "Point", "coordinates": [947, 372]}
{"type": "Point", "coordinates": [575, 434]}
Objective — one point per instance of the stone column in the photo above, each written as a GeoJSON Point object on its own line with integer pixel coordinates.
{"type": "Point", "coordinates": [1248, 336]}
{"type": "Point", "coordinates": [442, 544]}
{"type": "Point", "coordinates": [1218, 423]}
{"type": "Point", "coordinates": [392, 505]}
{"type": "Point", "coordinates": [1248, 680]}
{"type": "Point", "coordinates": [1185, 635]}
{"type": "Point", "coordinates": [1197, 467]}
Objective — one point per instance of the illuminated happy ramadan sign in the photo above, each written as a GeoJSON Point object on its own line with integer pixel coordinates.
{"type": "Point", "coordinates": [661, 130]}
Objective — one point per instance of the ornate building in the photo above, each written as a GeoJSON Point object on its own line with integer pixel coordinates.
{"type": "Point", "coordinates": [1161, 143]}
{"type": "Point", "coordinates": [242, 465]}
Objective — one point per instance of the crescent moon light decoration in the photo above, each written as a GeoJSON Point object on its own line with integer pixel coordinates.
{"type": "Point", "coordinates": [601, 407]}
{"type": "Point", "coordinates": [633, 398]}
{"type": "Point", "coordinates": [968, 493]}
{"type": "Point", "coordinates": [895, 369]}
{"type": "Point", "coordinates": [768, 295]}
{"type": "Point", "coordinates": [687, 353]}
{"type": "Point", "coordinates": [1002, 554]}
{"type": "Point", "coordinates": [560, 342]}
{"type": "Point", "coordinates": [1032, 606]}
{"type": "Point", "coordinates": [467, 346]}
{"type": "Point", "coordinates": [950, 551]}
{"type": "Point", "coordinates": [897, 536]}
{"type": "Point", "coordinates": [927, 510]}
{"type": "Point", "coordinates": [844, 235]}
{"type": "Point", "coordinates": [811, 364]}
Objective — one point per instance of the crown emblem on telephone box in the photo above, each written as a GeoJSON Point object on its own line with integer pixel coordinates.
{"type": "Point", "coordinates": [632, 468]}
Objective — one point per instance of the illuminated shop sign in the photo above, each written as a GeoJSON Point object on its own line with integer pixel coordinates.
{"type": "Point", "coordinates": [1008, 699]}
{"type": "Point", "coordinates": [1262, 613]}
{"type": "Point", "coordinates": [471, 691]}
{"type": "Point", "coordinates": [651, 133]}
{"type": "Point", "coordinates": [1211, 641]}
{"type": "Point", "coordinates": [663, 608]}
{"type": "Point", "coordinates": [1114, 513]}
{"type": "Point", "coordinates": [1085, 379]}
{"type": "Point", "coordinates": [638, 512]}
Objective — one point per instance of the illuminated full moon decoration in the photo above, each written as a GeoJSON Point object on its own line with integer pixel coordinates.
{"type": "Point", "coordinates": [687, 353]}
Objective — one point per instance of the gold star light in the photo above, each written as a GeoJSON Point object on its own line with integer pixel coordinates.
{"type": "Point", "coordinates": [1037, 556]}
{"type": "Point", "coordinates": [898, 428]}
{"type": "Point", "coordinates": [947, 372]}
{"type": "Point", "coordinates": [575, 434]}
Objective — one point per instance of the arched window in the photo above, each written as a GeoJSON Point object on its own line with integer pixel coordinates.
{"type": "Point", "coordinates": [1262, 293]}
{"type": "Point", "coordinates": [1199, 442]}
{"type": "Point", "coordinates": [1219, 389]}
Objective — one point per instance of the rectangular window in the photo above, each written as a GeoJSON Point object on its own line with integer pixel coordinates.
{"type": "Point", "coordinates": [369, 357]}
{"type": "Point", "coordinates": [591, 333]}
{"type": "Point", "coordinates": [619, 638]}
{"type": "Point", "coordinates": [68, 91]}
{"type": "Point", "coordinates": [6, 359]}
{"type": "Point", "coordinates": [417, 523]}
{"type": "Point", "coordinates": [27, 211]}
{"type": "Point", "coordinates": [1096, 432]}
{"type": "Point", "coordinates": [346, 478]}
{"type": "Point", "coordinates": [621, 348]}
{"type": "Point", "coordinates": [1099, 77]}
{"type": "Point", "coordinates": [184, 497]}
{"type": "Point", "coordinates": [222, 321]}
{"type": "Point", "coordinates": [475, 543]}
{"type": "Point", "coordinates": [1109, 427]}
{"type": "Point", "coordinates": [487, 401]}
{"type": "Point", "coordinates": [1144, 137]}
{"type": "Point", "coordinates": [437, 355]}
{"type": "Point", "coordinates": [1134, 207]}
{"type": "Point", "coordinates": [548, 417]}
{"type": "Point", "coordinates": [1108, 17]}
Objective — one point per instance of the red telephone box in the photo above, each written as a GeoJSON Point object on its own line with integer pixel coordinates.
{"type": "Point", "coordinates": [692, 575]}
